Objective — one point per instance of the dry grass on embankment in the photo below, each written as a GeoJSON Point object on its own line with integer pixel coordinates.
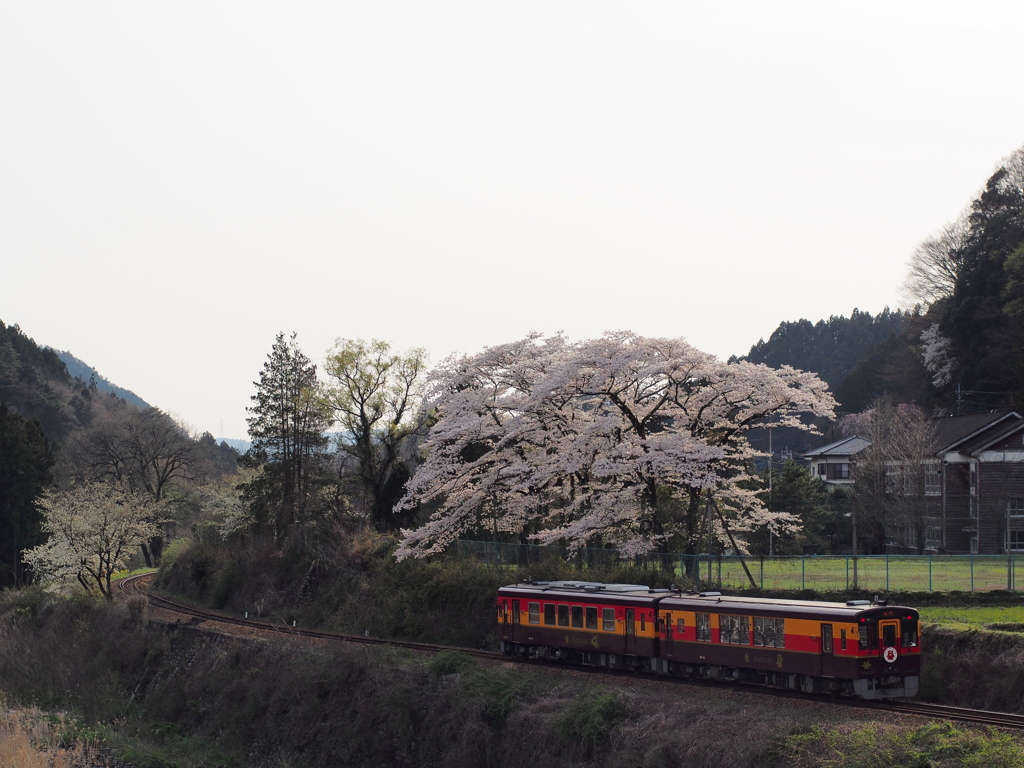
{"type": "Point", "coordinates": [186, 697]}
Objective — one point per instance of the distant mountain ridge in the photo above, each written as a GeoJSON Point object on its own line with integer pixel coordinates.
{"type": "Point", "coordinates": [88, 374]}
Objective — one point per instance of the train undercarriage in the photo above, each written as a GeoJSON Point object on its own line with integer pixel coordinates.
{"type": "Point", "coordinates": [871, 688]}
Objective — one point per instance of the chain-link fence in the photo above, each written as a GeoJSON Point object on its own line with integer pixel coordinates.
{"type": "Point", "coordinates": [902, 573]}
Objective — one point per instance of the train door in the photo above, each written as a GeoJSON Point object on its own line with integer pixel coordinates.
{"type": "Point", "coordinates": [630, 631]}
{"type": "Point", "coordinates": [666, 626]}
{"type": "Point", "coordinates": [827, 657]}
{"type": "Point", "coordinates": [503, 620]}
{"type": "Point", "coordinates": [890, 633]}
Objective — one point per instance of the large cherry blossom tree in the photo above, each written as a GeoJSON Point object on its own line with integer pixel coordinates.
{"type": "Point", "coordinates": [619, 440]}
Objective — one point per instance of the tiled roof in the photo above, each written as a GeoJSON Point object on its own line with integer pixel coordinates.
{"type": "Point", "coordinates": [846, 447]}
{"type": "Point", "coordinates": [962, 433]}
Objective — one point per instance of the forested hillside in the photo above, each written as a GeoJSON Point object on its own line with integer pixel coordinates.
{"type": "Point", "coordinates": [831, 348]}
{"type": "Point", "coordinates": [58, 432]}
{"type": "Point", "coordinates": [90, 375]}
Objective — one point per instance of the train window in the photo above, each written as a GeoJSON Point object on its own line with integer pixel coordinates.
{"type": "Point", "coordinates": [515, 611]}
{"type": "Point", "coordinates": [868, 634]}
{"type": "Point", "coordinates": [680, 625]}
{"type": "Point", "coordinates": [733, 629]}
{"type": "Point", "coordinates": [608, 619]}
{"type": "Point", "coordinates": [842, 639]}
{"type": "Point", "coordinates": [909, 633]}
{"type": "Point", "coordinates": [591, 618]}
{"type": "Point", "coordinates": [769, 633]}
{"type": "Point", "coordinates": [577, 616]}
{"type": "Point", "coordinates": [826, 638]}
{"type": "Point", "coordinates": [643, 621]}
{"type": "Point", "coordinates": [563, 615]}
{"type": "Point", "coordinates": [889, 635]}
{"type": "Point", "coordinates": [630, 622]}
{"type": "Point", "coordinates": [534, 612]}
{"type": "Point", "coordinates": [704, 627]}
{"type": "Point", "coordinates": [549, 613]}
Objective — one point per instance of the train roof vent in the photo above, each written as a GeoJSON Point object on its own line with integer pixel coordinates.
{"type": "Point", "coordinates": [626, 588]}
{"type": "Point", "coordinates": [858, 602]}
{"type": "Point", "coordinates": [593, 587]}
{"type": "Point", "coordinates": [710, 594]}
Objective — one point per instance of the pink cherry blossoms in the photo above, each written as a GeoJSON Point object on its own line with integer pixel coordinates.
{"type": "Point", "coordinates": [607, 441]}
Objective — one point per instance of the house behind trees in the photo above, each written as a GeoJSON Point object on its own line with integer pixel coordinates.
{"type": "Point", "coordinates": [964, 494]}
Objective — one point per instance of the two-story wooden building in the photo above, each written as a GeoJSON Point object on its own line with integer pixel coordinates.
{"type": "Point", "coordinates": [973, 481]}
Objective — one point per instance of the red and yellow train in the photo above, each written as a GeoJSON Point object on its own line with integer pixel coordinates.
{"type": "Point", "coordinates": [860, 648]}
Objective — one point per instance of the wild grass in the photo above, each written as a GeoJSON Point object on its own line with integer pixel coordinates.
{"type": "Point", "coordinates": [936, 745]}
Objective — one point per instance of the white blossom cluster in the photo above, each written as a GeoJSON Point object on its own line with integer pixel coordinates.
{"type": "Point", "coordinates": [937, 356]}
{"type": "Point", "coordinates": [577, 442]}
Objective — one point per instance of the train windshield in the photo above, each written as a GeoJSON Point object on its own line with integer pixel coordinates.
{"type": "Point", "coordinates": [909, 627]}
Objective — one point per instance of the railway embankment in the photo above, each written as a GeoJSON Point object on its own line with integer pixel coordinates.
{"type": "Point", "coordinates": [182, 695]}
{"type": "Point", "coordinates": [977, 669]}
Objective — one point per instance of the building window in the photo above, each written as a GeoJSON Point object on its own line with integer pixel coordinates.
{"type": "Point", "coordinates": [733, 629]}
{"type": "Point", "coordinates": [769, 633]}
{"type": "Point", "coordinates": [704, 627]}
{"type": "Point", "coordinates": [1015, 507]}
{"type": "Point", "coordinates": [932, 478]}
{"type": "Point", "coordinates": [892, 477]}
{"type": "Point", "coordinates": [842, 471]}
{"type": "Point", "coordinates": [534, 612]}
{"type": "Point", "coordinates": [821, 469]}
{"type": "Point", "coordinates": [1016, 541]}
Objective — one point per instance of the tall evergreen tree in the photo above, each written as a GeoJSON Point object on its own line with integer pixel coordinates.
{"type": "Point", "coordinates": [287, 427]}
{"type": "Point", "coordinates": [25, 463]}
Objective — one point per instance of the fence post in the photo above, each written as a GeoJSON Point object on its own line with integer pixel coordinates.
{"type": "Point", "coordinates": [886, 571]}
{"type": "Point", "coordinates": [930, 588]}
{"type": "Point", "coordinates": [803, 572]}
{"type": "Point", "coordinates": [847, 558]}
{"type": "Point", "coordinates": [762, 571]}
{"type": "Point", "coordinates": [972, 571]}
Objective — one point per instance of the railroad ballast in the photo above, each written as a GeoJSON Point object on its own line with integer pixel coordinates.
{"type": "Point", "coordinates": [861, 648]}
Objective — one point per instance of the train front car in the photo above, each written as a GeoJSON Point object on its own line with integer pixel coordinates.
{"type": "Point", "coordinates": [606, 625]}
{"type": "Point", "coordinates": [888, 651]}
{"type": "Point", "coordinates": [852, 649]}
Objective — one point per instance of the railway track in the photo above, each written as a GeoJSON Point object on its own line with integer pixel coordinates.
{"type": "Point", "coordinates": [139, 585]}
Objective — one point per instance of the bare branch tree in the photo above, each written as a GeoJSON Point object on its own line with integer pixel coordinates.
{"type": "Point", "coordinates": [936, 264]}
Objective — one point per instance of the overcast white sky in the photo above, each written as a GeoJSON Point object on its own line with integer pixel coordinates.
{"type": "Point", "coordinates": [180, 181]}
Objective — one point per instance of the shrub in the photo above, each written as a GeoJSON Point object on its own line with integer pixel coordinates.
{"type": "Point", "coordinates": [590, 718]}
{"type": "Point", "coordinates": [448, 663]}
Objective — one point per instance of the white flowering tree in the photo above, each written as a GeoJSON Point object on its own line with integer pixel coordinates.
{"type": "Point", "coordinates": [937, 355]}
{"type": "Point", "coordinates": [93, 530]}
{"type": "Point", "coordinates": [618, 440]}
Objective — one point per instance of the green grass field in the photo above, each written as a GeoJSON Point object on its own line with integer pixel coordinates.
{"type": "Point", "coordinates": [1009, 617]}
{"type": "Point", "coordinates": [948, 573]}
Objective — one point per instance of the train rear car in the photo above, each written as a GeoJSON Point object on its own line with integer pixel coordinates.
{"type": "Point", "coordinates": [608, 625]}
